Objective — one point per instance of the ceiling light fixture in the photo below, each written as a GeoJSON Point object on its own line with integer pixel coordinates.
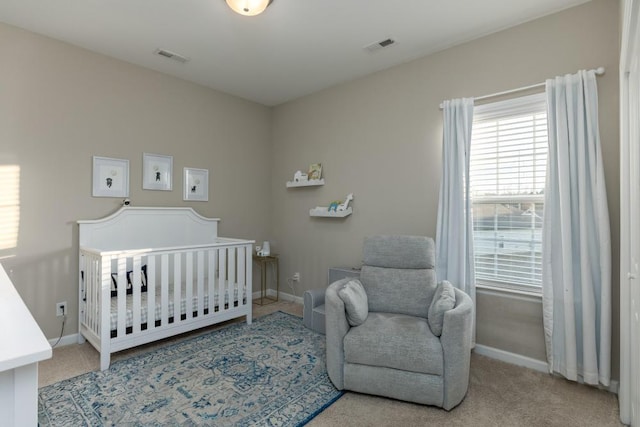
{"type": "Point", "coordinates": [248, 7]}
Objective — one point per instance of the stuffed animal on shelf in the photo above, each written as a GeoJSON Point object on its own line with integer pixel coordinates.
{"type": "Point", "coordinates": [339, 206]}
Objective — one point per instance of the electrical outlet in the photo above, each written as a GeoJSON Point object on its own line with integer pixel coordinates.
{"type": "Point", "coordinates": [61, 308]}
{"type": "Point", "coordinates": [296, 277]}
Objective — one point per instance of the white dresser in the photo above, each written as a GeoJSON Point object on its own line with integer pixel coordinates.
{"type": "Point", "coordinates": [23, 346]}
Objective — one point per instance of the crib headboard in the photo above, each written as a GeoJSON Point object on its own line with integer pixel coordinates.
{"type": "Point", "coordinates": [148, 227]}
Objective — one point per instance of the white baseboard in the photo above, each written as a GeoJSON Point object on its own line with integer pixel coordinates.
{"type": "Point", "coordinates": [288, 297]}
{"type": "Point", "coordinates": [512, 358]}
{"type": "Point", "coordinates": [65, 340]}
{"type": "Point", "coordinates": [528, 362]}
{"type": "Point", "coordinates": [271, 293]}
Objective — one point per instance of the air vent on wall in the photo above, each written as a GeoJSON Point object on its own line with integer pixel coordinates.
{"type": "Point", "coordinates": [172, 55]}
{"type": "Point", "coordinates": [374, 47]}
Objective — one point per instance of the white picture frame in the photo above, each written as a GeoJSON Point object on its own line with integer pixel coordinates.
{"type": "Point", "coordinates": [157, 172]}
{"type": "Point", "coordinates": [110, 177]}
{"type": "Point", "coordinates": [196, 185]}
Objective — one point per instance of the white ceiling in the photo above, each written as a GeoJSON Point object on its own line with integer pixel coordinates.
{"type": "Point", "coordinates": [295, 48]}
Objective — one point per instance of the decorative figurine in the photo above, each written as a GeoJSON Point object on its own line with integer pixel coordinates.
{"type": "Point", "coordinates": [343, 206]}
{"type": "Point", "coordinates": [300, 177]}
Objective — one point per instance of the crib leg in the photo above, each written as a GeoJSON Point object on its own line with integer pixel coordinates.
{"type": "Point", "coordinates": [104, 360]}
{"type": "Point", "coordinates": [249, 319]}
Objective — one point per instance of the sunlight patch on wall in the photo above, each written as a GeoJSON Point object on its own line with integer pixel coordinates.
{"type": "Point", "coordinates": [9, 207]}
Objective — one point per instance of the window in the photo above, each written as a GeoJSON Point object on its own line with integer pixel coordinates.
{"type": "Point", "coordinates": [507, 171]}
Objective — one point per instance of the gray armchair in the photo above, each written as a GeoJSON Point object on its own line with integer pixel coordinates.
{"type": "Point", "coordinates": [394, 352]}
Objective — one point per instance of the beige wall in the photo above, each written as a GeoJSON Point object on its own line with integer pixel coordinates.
{"type": "Point", "coordinates": [60, 105]}
{"type": "Point", "coordinates": [380, 138]}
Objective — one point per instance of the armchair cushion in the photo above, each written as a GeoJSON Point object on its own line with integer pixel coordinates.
{"type": "Point", "coordinates": [401, 252]}
{"type": "Point", "coordinates": [395, 341]}
{"type": "Point", "coordinates": [355, 302]}
{"type": "Point", "coordinates": [443, 300]}
{"type": "Point", "coordinates": [391, 290]}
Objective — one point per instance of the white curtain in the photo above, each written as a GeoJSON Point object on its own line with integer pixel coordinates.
{"type": "Point", "coordinates": [576, 254]}
{"type": "Point", "coordinates": [454, 235]}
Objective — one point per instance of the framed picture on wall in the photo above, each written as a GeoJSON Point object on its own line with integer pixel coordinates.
{"type": "Point", "coordinates": [196, 184]}
{"type": "Point", "coordinates": [110, 177]}
{"type": "Point", "coordinates": [157, 172]}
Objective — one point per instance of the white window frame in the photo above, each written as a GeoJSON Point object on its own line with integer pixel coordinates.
{"type": "Point", "coordinates": [494, 111]}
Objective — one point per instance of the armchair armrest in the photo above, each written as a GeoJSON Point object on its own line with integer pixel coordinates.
{"type": "Point", "coordinates": [336, 329]}
{"type": "Point", "coordinates": [456, 346]}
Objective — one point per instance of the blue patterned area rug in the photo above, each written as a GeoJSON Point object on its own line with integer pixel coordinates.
{"type": "Point", "coordinates": [269, 373]}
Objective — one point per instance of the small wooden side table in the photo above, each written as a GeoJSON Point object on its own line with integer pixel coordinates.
{"type": "Point", "coordinates": [264, 262]}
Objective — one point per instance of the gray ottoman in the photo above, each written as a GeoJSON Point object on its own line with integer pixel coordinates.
{"type": "Point", "coordinates": [313, 313]}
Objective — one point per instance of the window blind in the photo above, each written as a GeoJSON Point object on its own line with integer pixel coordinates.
{"type": "Point", "coordinates": [509, 147]}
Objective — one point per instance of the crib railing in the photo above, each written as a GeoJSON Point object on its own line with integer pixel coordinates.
{"type": "Point", "coordinates": [183, 285]}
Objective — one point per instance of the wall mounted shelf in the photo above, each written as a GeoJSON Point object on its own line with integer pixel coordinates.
{"type": "Point", "coordinates": [309, 183]}
{"type": "Point", "coordinates": [323, 211]}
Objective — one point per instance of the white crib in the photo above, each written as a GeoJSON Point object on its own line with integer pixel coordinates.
{"type": "Point", "coordinates": [150, 273]}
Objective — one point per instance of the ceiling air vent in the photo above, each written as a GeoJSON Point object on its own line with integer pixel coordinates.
{"type": "Point", "coordinates": [172, 55]}
{"type": "Point", "coordinates": [374, 47]}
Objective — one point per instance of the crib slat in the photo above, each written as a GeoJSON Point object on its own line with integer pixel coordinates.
{"type": "Point", "coordinates": [82, 289]}
{"type": "Point", "coordinates": [200, 281]}
{"type": "Point", "coordinates": [248, 296]}
{"type": "Point", "coordinates": [97, 294]}
{"type": "Point", "coordinates": [211, 279]}
{"type": "Point", "coordinates": [104, 304]}
{"type": "Point", "coordinates": [241, 275]}
{"type": "Point", "coordinates": [89, 278]}
{"type": "Point", "coordinates": [189, 285]}
{"type": "Point", "coordinates": [92, 287]}
{"type": "Point", "coordinates": [85, 275]}
{"type": "Point", "coordinates": [151, 292]}
{"type": "Point", "coordinates": [122, 295]}
{"type": "Point", "coordinates": [83, 267]}
{"type": "Point", "coordinates": [164, 291]}
{"type": "Point", "coordinates": [231, 276]}
{"type": "Point", "coordinates": [177, 286]}
{"type": "Point", "coordinates": [136, 284]}
{"type": "Point", "coordinates": [222, 276]}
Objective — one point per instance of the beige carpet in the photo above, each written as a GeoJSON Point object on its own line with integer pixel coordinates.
{"type": "Point", "coordinates": [499, 394]}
